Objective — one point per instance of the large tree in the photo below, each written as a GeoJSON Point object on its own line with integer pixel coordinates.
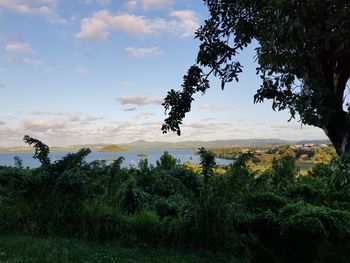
{"type": "Point", "coordinates": [303, 55]}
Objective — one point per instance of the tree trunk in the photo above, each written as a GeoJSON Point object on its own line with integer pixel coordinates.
{"type": "Point", "coordinates": [337, 126]}
{"type": "Point", "coordinates": [338, 133]}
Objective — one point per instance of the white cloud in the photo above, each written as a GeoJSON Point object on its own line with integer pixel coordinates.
{"type": "Point", "coordinates": [26, 7]}
{"type": "Point", "coordinates": [130, 109]}
{"type": "Point", "coordinates": [125, 84]}
{"type": "Point", "coordinates": [71, 116]}
{"type": "Point", "coordinates": [44, 8]}
{"type": "Point", "coordinates": [19, 47]}
{"type": "Point", "coordinates": [36, 112]}
{"type": "Point", "coordinates": [2, 70]}
{"type": "Point", "coordinates": [142, 52]}
{"type": "Point", "coordinates": [217, 107]}
{"type": "Point", "coordinates": [139, 100]}
{"type": "Point", "coordinates": [2, 86]}
{"type": "Point", "coordinates": [81, 70]}
{"type": "Point", "coordinates": [63, 120]}
{"type": "Point", "coordinates": [94, 28]}
{"type": "Point", "coordinates": [42, 125]}
{"type": "Point", "coordinates": [25, 61]}
{"type": "Point", "coordinates": [147, 114]}
{"type": "Point", "coordinates": [67, 128]}
{"type": "Point", "coordinates": [97, 27]}
{"type": "Point", "coordinates": [188, 22]}
{"type": "Point", "coordinates": [100, 2]}
{"type": "Point", "coordinates": [147, 5]}
{"type": "Point", "coordinates": [54, 69]}
{"type": "Point", "coordinates": [9, 37]}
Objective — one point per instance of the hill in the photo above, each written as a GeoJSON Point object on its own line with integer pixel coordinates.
{"type": "Point", "coordinates": [113, 148]}
{"type": "Point", "coordinates": [142, 144]}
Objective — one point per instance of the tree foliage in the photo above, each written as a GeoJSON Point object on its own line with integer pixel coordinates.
{"type": "Point", "coordinates": [41, 150]}
{"type": "Point", "coordinates": [303, 54]}
{"type": "Point", "coordinates": [207, 161]}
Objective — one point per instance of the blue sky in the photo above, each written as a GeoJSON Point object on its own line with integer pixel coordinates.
{"type": "Point", "coordinates": [96, 71]}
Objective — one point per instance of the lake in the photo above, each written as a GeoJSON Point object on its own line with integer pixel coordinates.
{"type": "Point", "coordinates": [131, 158]}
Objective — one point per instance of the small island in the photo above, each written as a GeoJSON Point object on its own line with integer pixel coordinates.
{"type": "Point", "coordinates": [113, 148]}
{"type": "Point", "coordinates": [143, 155]}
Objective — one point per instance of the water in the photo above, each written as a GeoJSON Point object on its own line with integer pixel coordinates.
{"type": "Point", "coordinates": [131, 158]}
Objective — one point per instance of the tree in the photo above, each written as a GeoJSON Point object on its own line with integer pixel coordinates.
{"type": "Point", "coordinates": [303, 55]}
{"type": "Point", "coordinates": [207, 161]}
{"type": "Point", "coordinates": [41, 150]}
{"type": "Point", "coordinates": [18, 162]}
{"type": "Point", "coordinates": [167, 161]}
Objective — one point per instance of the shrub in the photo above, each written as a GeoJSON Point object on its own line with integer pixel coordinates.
{"type": "Point", "coordinates": [314, 234]}
{"type": "Point", "coordinates": [146, 226]}
{"type": "Point", "coordinates": [101, 222]}
{"type": "Point", "coordinates": [340, 167]}
{"type": "Point", "coordinates": [130, 196]}
{"type": "Point", "coordinates": [167, 161]}
{"type": "Point", "coordinates": [284, 171]}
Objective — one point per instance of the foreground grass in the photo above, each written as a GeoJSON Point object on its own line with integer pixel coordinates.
{"type": "Point", "coordinates": [29, 249]}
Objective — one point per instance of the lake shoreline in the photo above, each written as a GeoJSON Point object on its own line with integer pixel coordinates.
{"type": "Point", "coordinates": [131, 157]}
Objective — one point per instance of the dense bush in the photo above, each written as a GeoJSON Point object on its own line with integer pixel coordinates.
{"type": "Point", "coordinates": [277, 215]}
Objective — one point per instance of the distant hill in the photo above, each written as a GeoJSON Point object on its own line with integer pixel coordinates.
{"type": "Point", "coordinates": [113, 148]}
{"type": "Point", "coordinates": [142, 144]}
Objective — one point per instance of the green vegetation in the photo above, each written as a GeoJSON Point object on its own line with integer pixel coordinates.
{"type": "Point", "coordinates": [52, 250]}
{"type": "Point", "coordinates": [247, 215]}
{"type": "Point", "coordinates": [305, 155]}
{"type": "Point", "coordinates": [113, 148]}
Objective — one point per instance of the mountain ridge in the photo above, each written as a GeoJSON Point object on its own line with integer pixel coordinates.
{"type": "Point", "coordinates": [142, 144]}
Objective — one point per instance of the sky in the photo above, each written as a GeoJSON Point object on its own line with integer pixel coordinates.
{"type": "Point", "coordinates": [96, 71]}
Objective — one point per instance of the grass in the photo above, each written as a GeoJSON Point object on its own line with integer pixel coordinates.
{"type": "Point", "coordinates": [15, 249]}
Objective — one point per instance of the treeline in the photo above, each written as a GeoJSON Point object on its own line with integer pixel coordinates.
{"type": "Point", "coordinates": [267, 154]}
{"type": "Point", "coordinates": [270, 216]}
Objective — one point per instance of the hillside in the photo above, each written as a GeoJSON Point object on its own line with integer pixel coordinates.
{"type": "Point", "coordinates": [142, 144]}
{"type": "Point", "coordinates": [113, 148]}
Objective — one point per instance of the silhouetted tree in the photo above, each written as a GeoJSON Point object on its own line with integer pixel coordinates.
{"type": "Point", "coordinates": [303, 54]}
{"type": "Point", "coordinates": [18, 162]}
{"type": "Point", "coordinates": [41, 150]}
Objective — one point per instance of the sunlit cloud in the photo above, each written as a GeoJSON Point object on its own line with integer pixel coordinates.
{"type": "Point", "coordinates": [35, 7]}
{"type": "Point", "coordinates": [187, 22]}
{"type": "Point", "coordinates": [45, 8]}
{"type": "Point", "coordinates": [139, 100]}
{"type": "Point", "coordinates": [19, 47]}
{"type": "Point", "coordinates": [9, 38]}
{"type": "Point", "coordinates": [217, 107]}
{"type": "Point", "coordinates": [142, 52]}
{"type": "Point", "coordinates": [98, 27]}
{"type": "Point", "coordinates": [147, 114]}
{"type": "Point", "coordinates": [130, 109]}
{"type": "Point", "coordinates": [148, 5]}
{"type": "Point", "coordinates": [25, 61]}
{"type": "Point", "coordinates": [99, 2]}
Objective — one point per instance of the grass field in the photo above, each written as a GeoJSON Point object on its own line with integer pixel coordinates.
{"type": "Point", "coordinates": [36, 250]}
